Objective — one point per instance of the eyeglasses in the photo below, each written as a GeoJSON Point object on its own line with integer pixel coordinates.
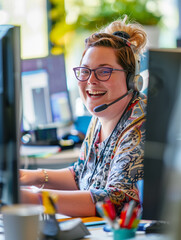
{"type": "Point", "coordinates": [101, 73]}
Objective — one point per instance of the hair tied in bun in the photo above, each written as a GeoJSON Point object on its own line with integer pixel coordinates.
{"type": "Point", "coordinates": [122, 34]}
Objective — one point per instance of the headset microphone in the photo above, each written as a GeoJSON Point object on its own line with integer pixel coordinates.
{"type": "Point", "coordinates": [104, 106]}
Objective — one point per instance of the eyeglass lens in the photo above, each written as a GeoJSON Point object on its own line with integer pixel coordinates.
{"type": "Point", "coordinates": [102, 73]}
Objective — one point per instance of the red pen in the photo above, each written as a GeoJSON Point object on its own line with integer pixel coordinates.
{"type": "Point", "coordinates": [111, 209]}
{"type": "Point", "coordinates": [133, 217]}
{"type": "Point", "coordinates": [131, 207]}
{"type": "Point", "coordinates": [123, 215]}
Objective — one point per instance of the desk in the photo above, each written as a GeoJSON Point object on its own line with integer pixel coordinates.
{"type": "Point", "coordinates": [97, 233]}
{"type": "Point", "coordinates": [45, 157]}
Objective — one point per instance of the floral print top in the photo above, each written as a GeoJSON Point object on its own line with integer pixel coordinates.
{"type": "Point", "coordinates": [113, 167]}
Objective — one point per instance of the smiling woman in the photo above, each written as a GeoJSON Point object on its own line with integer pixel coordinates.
{"type": "Point", "coordinates": [111, 157]}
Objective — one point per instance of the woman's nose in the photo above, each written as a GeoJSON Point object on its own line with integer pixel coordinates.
{"type": "Point", "coordinates": [92, 79]}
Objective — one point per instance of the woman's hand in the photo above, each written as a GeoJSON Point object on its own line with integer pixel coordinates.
{"type": "Point", "coordinates": [31, 177]}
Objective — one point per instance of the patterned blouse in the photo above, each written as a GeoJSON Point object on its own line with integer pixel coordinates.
{"type": "Point", "coordinates": [113, 167]}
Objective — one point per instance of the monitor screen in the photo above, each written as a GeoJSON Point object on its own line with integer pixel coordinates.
{"type": "Point", "coordinates": [173, 163]}
{"type": "Point", "coordinates": [163, 90]}
{"type": "Point", "coordinates": [45, 96]}
{"type": "Point", "coordinates": [10, 92]}
{"type": "Point", "coordinates": [179, 42]}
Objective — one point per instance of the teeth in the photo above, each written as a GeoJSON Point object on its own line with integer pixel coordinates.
{"type": "Point", "coordinates": [95, 92]}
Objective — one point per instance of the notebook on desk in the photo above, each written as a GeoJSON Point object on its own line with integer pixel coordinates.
{"type": "Point", "coordinates": [87, 220]}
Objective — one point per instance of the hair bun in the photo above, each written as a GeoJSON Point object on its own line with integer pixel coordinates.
{"type": "Point", "coordinates": [122, 34]}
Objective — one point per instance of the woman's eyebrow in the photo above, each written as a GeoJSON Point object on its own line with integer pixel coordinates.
{"type": "Point", "coordinates": [100, 65]}
{"type": "Point", "coordinates": [84, 65]}
{"type": "Point", "coordinates": [105, 64]}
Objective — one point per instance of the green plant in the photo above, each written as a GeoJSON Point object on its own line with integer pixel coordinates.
{"type": "Point", "coordinates": [94, 14]}
{"type": "Point", "coordinates": [138, 10]}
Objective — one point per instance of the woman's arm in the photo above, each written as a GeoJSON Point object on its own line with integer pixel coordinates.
{"type": "Point", "coordinates": [71, 203]}
{"type": "Point", "coordinates": [61, 179]}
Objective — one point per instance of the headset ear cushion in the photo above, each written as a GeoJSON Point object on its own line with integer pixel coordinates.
{"type": "Point", "coordinates": [134, 82]}
{"type": "Point", "coordinates": [138, 83]}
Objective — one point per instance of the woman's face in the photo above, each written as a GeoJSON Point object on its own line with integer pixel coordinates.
{"type": "Point", "coordinates": [94, 92]}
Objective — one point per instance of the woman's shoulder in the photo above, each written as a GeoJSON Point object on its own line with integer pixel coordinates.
{"type": "Point", "coordinates": [93, 126]}
{"type": "Point", "coordinates": [140, 101]}
{"type": "Point", "coordinates": [141, 97]}
{"type": "Point", "coordinates": [137, 109]}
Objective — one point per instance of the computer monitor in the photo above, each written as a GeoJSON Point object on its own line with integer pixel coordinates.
{"type": "Point", "coordinates": [46, 102]}
{"type": "Point", "coordinates": [10, 92]}
{"type": "Point", "coordinates": [179, 42]}
{"type": "Point", "coordinates": [163, 90]}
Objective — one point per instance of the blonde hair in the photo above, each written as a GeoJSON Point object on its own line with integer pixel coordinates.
{"type": "Point", "coordinates": [125, 54]}
{"type": "Point", "coordinates": [138, 36]}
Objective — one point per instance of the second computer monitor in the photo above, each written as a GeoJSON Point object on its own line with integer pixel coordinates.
{"type": "Point", "coordinates": [45, 96]}
{"type": "Point", "coordinates": [163, 93]}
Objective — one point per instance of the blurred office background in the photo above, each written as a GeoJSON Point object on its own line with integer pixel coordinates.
{"type": "Point", "coordinates": [59, 26]}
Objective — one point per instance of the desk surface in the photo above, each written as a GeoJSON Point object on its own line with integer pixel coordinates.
{"type": "Point", "coordinates": [97, 232]}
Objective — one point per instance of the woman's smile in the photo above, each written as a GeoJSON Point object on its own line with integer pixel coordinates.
{"type": "Point", "coordinates": [95, 93]}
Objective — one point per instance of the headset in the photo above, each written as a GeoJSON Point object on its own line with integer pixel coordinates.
{"type": "Point", "coordinates": [134, 81]}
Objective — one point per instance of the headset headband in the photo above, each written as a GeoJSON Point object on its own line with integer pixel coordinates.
{"type": "Point", "coordinates": [136, 82]}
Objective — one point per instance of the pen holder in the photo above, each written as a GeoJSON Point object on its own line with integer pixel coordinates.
{"type": "Point", "coordinates": [124, 233]}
